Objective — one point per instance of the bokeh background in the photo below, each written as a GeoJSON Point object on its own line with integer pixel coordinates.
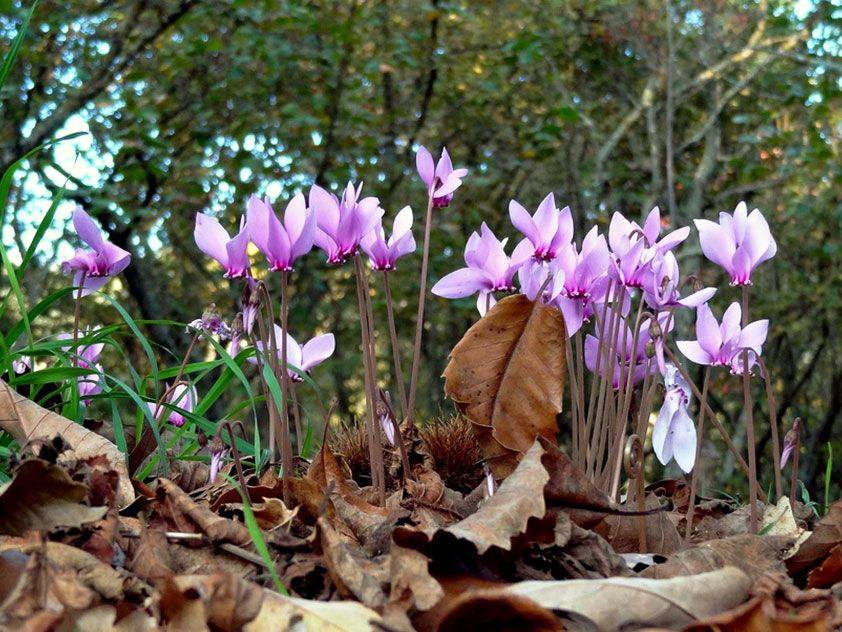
{"type": "Point", "coordinates": [193, 105]}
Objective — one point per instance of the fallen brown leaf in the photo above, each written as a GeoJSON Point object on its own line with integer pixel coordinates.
{"type": "Point", "coordinates": [27, 421]}
{"type": "Point", "coordinates": [42, 497]}
{"type": "Point", "coordinates": [755, 555]}
{"type": "Point", "coordinates": [622, 532]}
{"type": "Point", "coordinates": [777, 606]}
{"type": "Point", "coordinates": [620, 602]}
{"type": "Point", "coordinates": [507, 376]}
{"type": "Point", "coordinates": [497, 610]}
{"type": "Point", "coordinates": [826, 536]}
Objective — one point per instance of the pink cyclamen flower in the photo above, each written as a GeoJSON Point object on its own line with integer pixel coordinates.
{"type": "Point", "coordinates": [302, 358]}
{"type": "Point", "coordinates": [790, 440]}
{"type": "Point", "coordinates": [489, 269]}
{"type": "Point", "coordinates": [99, 264]}
{"type": "Point", "coordinates": [674, 435]}
{"type": "Point", "coordinates": [661, 287]}
{"type": "Point", "coordinates": [342, 223]}
{"type": "Point", "coordinates": [738, 243]}
{"type": "Point", "coordinates": [442, 179]}
{"type": "Point", "coordinates": [281, 242]}
{"type": "Point", "coordinates": [722, 344]}
{"type": "Point", "coordinates": [634, 248]}
{"type": "Point", "coordinates": [585, 279]}
{"type": "Point", "coordinates": [184, 397]}
{"type": "Point", "coordinates": [211, 323]}
{"type": "Point", "coordinates": [384, 253]}
{"type": "Point", "coordinates": [549, 230]}
{"type": "Point", "coordinates": [218, 453]}
{"type": "Point", "coordinates": [626, 357]}
{"type": "Point", "coordinates": [22, 364]}
{"type": "Point", "coordinates": [230, 252]}
{"type": "Point", "coordinates": [86, 357]}
{"type": "Point", "coordinates": [532, 276]}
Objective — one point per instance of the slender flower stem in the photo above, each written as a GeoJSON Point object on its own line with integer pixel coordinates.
{"type": "Point", "coordinates": [272, 406]}
{"type": "Point", "coordinates": [286, 438]}
{"type": "Point", "coordinates": [694, 480]}
{"type": "Point", "coordinates": [375, 448]}
{"type": "Point", "coordinates": [393, 339]}
{"type": "Point", "coordinates": [773, 423]}
{"type": "Point", "coordinates": [76, 313]}
{"type": "Point", "coordinates": [236, 454]}
{"type": "Point", "coordinates": [575, 432]}
{"type": "Point", "coordinates": [749, 416]}
{"type": "Point", "coordinates": [419, 318]}
{"type": "Point", "coordinates": [625, 399]}
{"type": "Point", "coordinates": [722, 432]}
{"type": "Point", "coordinates": [601, 322]}
{"type": "Point", "coordinates": [793, 475]}
{"type": "Point", "coordinates": [580, 393]}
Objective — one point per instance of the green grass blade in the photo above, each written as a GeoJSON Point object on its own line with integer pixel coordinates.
{"type": "Point", "coordinates": [13, 282]}
{"type": "Point", "coordinates": [9, 61]}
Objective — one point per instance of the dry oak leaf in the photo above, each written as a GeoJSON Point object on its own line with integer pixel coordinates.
{"type": "Point", "coordinates": [827, 534]}
{"type": "Point", "coordinates": [25, 421]}
{"type": "Point", "coordinates": [226, 596]}
{"type": "Point", "coordinates": [507, 376]}
{"type": "Point", "coordinates": [755, 555]}
{"type": "Point", "coordinates": [42, 497]}
{"type": "Point", "coordinates": [628, 602]}
{"type": "Point", "coordinates": [778, 606]}
{"type": "Point", "coordinates": [497, 610]}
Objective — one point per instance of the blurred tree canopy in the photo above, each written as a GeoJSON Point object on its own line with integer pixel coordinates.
{"type": "Point", "coordinates": [193, 105]}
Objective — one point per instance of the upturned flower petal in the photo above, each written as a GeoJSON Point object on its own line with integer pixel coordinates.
{"type": "Point", "coordinates": [99, 264]}
{"type": "Point", "coordinates": [230, 252]}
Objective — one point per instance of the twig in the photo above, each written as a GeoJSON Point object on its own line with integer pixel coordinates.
{"type": "Point", "coordinates": [747, 406]}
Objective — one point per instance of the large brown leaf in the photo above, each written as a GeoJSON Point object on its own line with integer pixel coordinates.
{"type": "Point", "coordinates": [507, 375]}
{"type": "Point", "coordinates": [42, 497]}
{"type": "Point", "coordinates": [26, 421]}
{"type": "Point", "coordinates": [827, 534]}
{"type": "Point", "coordinates": [630, 602]}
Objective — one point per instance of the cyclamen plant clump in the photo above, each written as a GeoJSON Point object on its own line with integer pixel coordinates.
{"type": "Point", "coordinates": [619, 295]}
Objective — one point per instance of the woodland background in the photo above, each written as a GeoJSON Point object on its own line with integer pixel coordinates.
{"type": "Point", "coordinates": [193, 105]}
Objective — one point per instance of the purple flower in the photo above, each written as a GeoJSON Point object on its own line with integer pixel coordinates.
{"type": "Point", "coordinates": [626, 357]}
{"type": "Point", "coordinates": [490, 483]}
{"type": "Point", "coordinates": [97, 265]}
{"type": "Point", "coordinates": [442, 179]}
{"type": "Point", "coordinates": [549, 230]}
{"type": "Point", "coordinates": [674, 435]}
{"type": "Point", "coordinates": [382, 253]}
{"type": "Point", "coordinates": [661, 288]}
{"type": "Point", "coordinates": [211, 323]}
{"type": "Point", "coordinates": [214, 241]}
{"type": "Point", "coordinates": [634, 248]}
{"type": "Point", "coordinates": [184, 397]}
{"type": "Point", "coordinates": [218, 453]}
{"type": "Point", "coordinates": [533, 274]}
{"type": "Point", "coordinates": [341, 224]}
{"type": "Point", "coordinates": [488, 269]}
{"type": "Point", "coordinates": [790, 440]}
{"type": "Point", "coordinates": [738, 243]}
{"type": "Point", "coordinates": [251, 304]}
{"type": "Point", "coordinates": [22, 364]}
{"type": "Point", "coordinates": [585, 279]}
{"type": "Point", "coordinates": [722, 344]}
{"type": "Point", "coordinates": [86, 357]}
{"type": "Point", "coordinates": [302, 357]}
{"type": "Point", "coordinates": [281, 242]}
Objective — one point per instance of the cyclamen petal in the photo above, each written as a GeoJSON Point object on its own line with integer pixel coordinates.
{"type": "Point", "coordinates": [461, 283]}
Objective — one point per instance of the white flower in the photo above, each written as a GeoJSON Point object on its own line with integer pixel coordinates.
{"type": "Point", "coordinates": [674, 435]}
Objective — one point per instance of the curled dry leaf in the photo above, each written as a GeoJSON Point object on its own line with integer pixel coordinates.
{"type": "Point", "coordinates": [497, 610]}
{"type": "Point", "coordinates": [507, 376]}
{"type": "Point", "coordinates": [43, 497]}
{"type": "Point", "coordinates": [826, 536]}
{"type": "Point", "coordinates": [26, 421]}
{"type": "Point", "coordinates": [622, 532]}
{"type": "Point", "coordinates": [777, 605]}
{"type": "Point", "coordinates": [628, 602]}
{"type": "Point", "coordinates": [189, 516]}
{"type": "Point", "coordinates": [755, 555]}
